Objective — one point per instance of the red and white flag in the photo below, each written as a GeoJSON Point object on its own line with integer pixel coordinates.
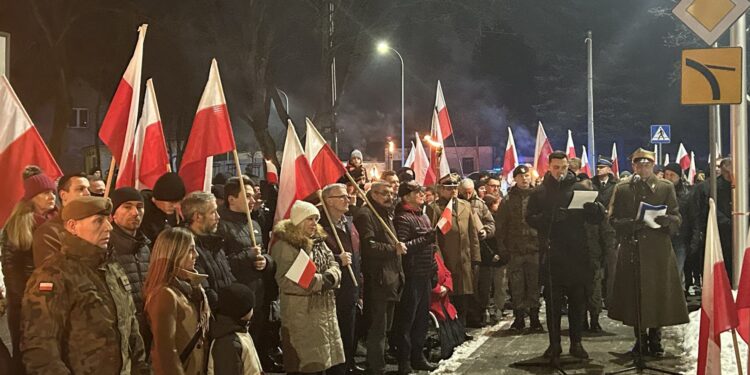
{"type": "Point", "coordinates": [446, 129]}
{"type": "Point", "coordinates": [585, 167]}
{"type": "Point", "coordinates": [326, 165]}
{"type": "Point", "coordinates": [20, 146]}
{"type": "Point", "coordinates": [118, 128]}
{"type": "Point", "coordinates": [718, 311]}
{"type": "Point", "coordinates": [410, 158]}
{"type": "Point", "coordinates": [510, 159]}
{"type": "Point", "coordinates": [151, 156]}
{"type": "Point", "coordinates": [666, 159]}
{"type": "Point", "coordinates": [570, 149]}
{"type": "Point", "coordinates": [439, 163]}
{"type": "Point", "coordinates": [211, 135]}
{"type": "Point", "coordinates": [423, 174]}
{"type": "Point", "coordinates": [683, 158]}
{"type": "Point", "coordinates": [542, 151]}
{"type": "Point", "coordinates": [272, 175]}
{"type": "Point", "coordinates": [615, 164]}
{"type": "Point", "coordinates": [297, 180]}
{"type": "Point", "coordinates": [302, 271]}
{"type": "Point", "coordinates": [743, 297]}
{"type": "Point", "coordinates": [445, 223]}
{"type": "Point", "coordinates": [691, 170]}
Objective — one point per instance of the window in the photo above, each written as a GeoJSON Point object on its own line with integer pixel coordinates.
{"type": "Point", "coordinates": [467, 164]}
{"type": "Point", "coordinates": [79, 118]}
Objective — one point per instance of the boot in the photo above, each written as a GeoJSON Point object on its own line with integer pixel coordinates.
{"type": "Point", "coordinates": [534, 324]}
{"type": "Point", "coordinates": [640, 339]}
{"type": "Point", "coordinates": [404, 368]}
{"type": "Point", "coordinates": [422, 364]}
{"type": "Point", "coordinates": [553, 351]}
{"type": "Point", "coordinates": [577, 350]}
{"type": "Point", "coordinates": [654, 342]}
{"type": "Point", "coordinates": [518, 323]}
{"type": "Point", "coordinates": [594, 326]}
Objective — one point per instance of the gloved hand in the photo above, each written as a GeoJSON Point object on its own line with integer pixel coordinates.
{"type": "Point", "coordinates": [328, 281]}
{"type": "Point", "coordinates": [592, 208]}
{"type": "Point", "coordinates": [560, 215]}
{"type": "Point", "coordinates": [663, 220]}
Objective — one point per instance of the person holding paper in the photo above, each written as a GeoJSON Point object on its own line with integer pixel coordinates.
{"type": "Point", "coordinates": [663, 305]}
{"type": "Point", "coordinates": [310, 335]}
{"type": "Point", "coordinates": [565, 269]}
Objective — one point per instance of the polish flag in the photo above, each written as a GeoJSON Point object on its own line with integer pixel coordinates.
{"type": "Point", "coordinates": [272, 175]}
{"type": "Point", "coordinates": [410, 159]}
{"type": "Point", "coordinates": [118, 128]}
{"type": "Point", "coordinates": [445, 223]}
{"type": "Point", "coordinates": [510, 159]}
{"type": "Point", "coordinates": [211, 135]}
{"type": "Point", "coordinates": [718, 311]}
{"type": "Point", "coordinates": [302, 271]}
{"type": "Point", "coordinates": [297, 180]}
{"type": "Point", "coordinates": [423, 174]}
{"type": "Point", "coordinates": [325, 164]}
{"type": "Point", "coordinates": [666, 159]}
{"type": "Point", "coordinates": [743, 297]}
{"type": "Point", "coordinates": [542, 151]}
{"type": "Point", "coordinates": [570, 149]}
{"type": "Point", "coordinates": [20, 146]}
{"type": "Point", "coordinates": [615, 164]}
{"type": "Point", "coordinates": [683, 158]}
{"type": "Point", "coordinates": [585, 167]}
{"type": "Point", "coordinates": [151, 156]}
{"type": "Point", "coordinates": [438, 163]}
{"type": "Point", "coordinates": [442, 114]}
{"type": "Point", "coordinates": [691, 170]}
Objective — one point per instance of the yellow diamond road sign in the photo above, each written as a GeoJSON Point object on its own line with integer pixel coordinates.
{"type": "Point", "coordinates": [712, 76]}
{"type": "Point", "coordinates": [709, 19]}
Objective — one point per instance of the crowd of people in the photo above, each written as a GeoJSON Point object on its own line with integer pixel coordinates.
{"type": "Point", "coordinates": [172, 282]}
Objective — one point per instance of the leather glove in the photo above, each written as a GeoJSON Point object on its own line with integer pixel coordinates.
{"type": "Point", "coordinates": [328, 281]}
{"type": "Point", "coordinates": [592, 208]}
{"type": "Point", "coordinates": [663, 220]}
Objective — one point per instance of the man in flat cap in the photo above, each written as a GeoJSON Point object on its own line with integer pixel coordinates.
{"type": "Point", "coordinates": [646, 256]}
{"type": "Point", "coordinates": [460, 245]}
{"type": "Point", "coordinates": [78, 314]}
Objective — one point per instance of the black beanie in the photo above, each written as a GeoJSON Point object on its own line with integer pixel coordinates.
{"type": "Point", "coordinates": [169, 187]}
{"type": "Point", "coordinates": [236, 300]}
{"type": "Point", "coordinates": [674, 167]}
{"type": "Point", "coordinates": [124, 194]}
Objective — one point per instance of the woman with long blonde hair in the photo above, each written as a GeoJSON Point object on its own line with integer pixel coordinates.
{"type": "Point", "coordinates": [36, 207]}
{"type": "Point", "coordinates": [176, 306]}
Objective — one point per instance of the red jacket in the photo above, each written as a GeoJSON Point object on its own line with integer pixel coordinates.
{"type": "Point", "coordinates": [438, 303]}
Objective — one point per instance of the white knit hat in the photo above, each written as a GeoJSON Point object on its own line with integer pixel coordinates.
{"type": "Point", "coordinates": [356, 154]}
{"type": "Point", "coordinates": [301, 210]}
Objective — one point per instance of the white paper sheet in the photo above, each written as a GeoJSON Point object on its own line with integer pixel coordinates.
{"type": "Point", "coordinates": [648, 213]}
{"type": "Point", "coordinates": [581, 197]}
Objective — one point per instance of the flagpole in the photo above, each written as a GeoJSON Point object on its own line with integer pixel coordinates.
{"type": "Point", "coordinates": [367, 201]}
{"type": "Point", "coordinates": [109, 177]}
{"type": "Point", "coordinates": [243, 191]}
{"type": "Point", "coordinates": [336, 236]}
{"type": "Point", "coordinates": [736, 352]}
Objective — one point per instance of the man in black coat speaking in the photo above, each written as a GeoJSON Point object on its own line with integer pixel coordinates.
{"type": "Point", "coordinates": [565, 268]}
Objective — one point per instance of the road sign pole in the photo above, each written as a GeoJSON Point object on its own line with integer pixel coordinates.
{"type": "Point", "coordinates": [738, 119]}
{"type": "Point", "coordinates": [590, 86]}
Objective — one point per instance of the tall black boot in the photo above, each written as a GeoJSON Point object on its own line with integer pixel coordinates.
{"type": "Point", "coordinates": [534, 324]}
{"type": "Point", "coordinates": [641, 343]}
{"type": "Point", "coordinates": [519, 323]}
{"type": "Point", "coordinates": [654, 342]}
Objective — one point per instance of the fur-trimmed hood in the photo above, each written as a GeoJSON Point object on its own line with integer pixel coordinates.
{"type": "Point", "coordinates": [290, 233]}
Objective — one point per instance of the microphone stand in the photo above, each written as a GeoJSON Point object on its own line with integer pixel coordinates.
{"type": "Point", "coordinates": [639, 363]}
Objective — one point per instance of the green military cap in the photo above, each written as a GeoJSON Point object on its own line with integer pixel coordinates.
{"type": "Point", "coordinates": [83, 207]}
{"type": "Point", "coordinates": [450, 180]}
{"type": "Point", "coordinates": [641, 155]}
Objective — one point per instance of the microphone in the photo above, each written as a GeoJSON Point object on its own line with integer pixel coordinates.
{"type": "Point", "coordinates": [636, 178]}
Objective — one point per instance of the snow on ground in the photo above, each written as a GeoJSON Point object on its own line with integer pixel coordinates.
{"type": "Point", "coordinates": [690, 333]}
{"type": "Point", "coordinates": [465, 350]}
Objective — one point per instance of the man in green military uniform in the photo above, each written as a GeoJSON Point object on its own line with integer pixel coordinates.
{"type": "Point", "coordinates": [646, 252]}
{"type": "Point", "coordinates": [78, 313]}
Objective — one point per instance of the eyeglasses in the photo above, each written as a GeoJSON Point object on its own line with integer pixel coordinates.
{"type": "Point", "coordinates": [383, 193]}
{"type": "Point", "coordinates": [344, 197]}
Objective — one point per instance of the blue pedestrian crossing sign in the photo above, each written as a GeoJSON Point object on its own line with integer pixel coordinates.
{"type": "Point", "coordinates": [660, 134]}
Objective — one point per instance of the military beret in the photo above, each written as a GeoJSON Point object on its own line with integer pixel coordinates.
{"type": "Point", "coordinates": [83, 207]}
{"type": "Point", "coordinates": [521, 169]}
{"type": "Point", "coordinates": [450, 180]}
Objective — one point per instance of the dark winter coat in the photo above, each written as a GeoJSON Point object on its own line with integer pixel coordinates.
{"type": "Point", "coordinates": [514, 235]}
{"type": "Point", "coordinates": [381, 267]}
{"type": "Point", "coordinates": [605, 189]}
{"type": "Point", "coordinates": [460, 246]}
{"type": "Point", "coordinates": [132, 253]}
{"type": "Point", "coordinates": [662, 296]}
{"type": "Point", "coordinates": [154, 219]}
{"type": "Point", "coordinates": [350, 241]}
{"type": "Point", "coordinates": [18, 264]}
{"type": "Point", "coordinates": [413, 228]}
{"type": "Point", "coordinates": [562, 231]}
{"type": "Point", "coordinates": [235, 232]}
{"type": "Point", "coordinates": [683, 192]}
{"type": "Point", "coordinates": [232, 351]}
{"type": "Point", "coordinates": [212, 261]}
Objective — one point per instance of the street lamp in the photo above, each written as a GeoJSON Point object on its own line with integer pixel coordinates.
{"type": "Point", "coordinates": [384, 48]}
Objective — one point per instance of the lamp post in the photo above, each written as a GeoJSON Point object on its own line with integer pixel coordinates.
{"type": "Point", "coordinates": [383, 48]}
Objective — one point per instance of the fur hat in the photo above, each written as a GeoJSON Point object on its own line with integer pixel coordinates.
{"type": "Point", "coordinates": [301, 210]}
